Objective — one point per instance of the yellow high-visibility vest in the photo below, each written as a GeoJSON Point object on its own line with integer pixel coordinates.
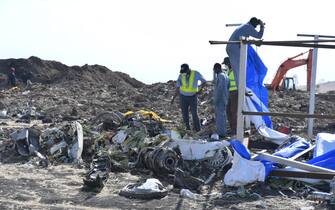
{"type": "Point", "coordinates": [232, 86]}
{"type": "Point", "coordinates": [188, 88]}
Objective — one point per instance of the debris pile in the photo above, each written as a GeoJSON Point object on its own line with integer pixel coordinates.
{"type": "Point", "coordinates": [111, 124]}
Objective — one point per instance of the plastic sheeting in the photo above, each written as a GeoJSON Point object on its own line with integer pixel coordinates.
{"type": "Point", "coordinates": [326, 160]}
{"type": "Point", "coordinates": [250, 105]}
{"type": "Point", "coordinates": [256, 72]}
{"type": "Point", "coordinates": [256, 120]}
{"type": "Point", "coordinates": [325, 142]}
{"type": "Point", "coordinates": [152, 188]}
{"type": "Point", "coordinates": [244, 170]}
{"type": "Point", "coordinates": [272, 135]}
{"type": "Point", "coordinates": [258, 170]}
{"type": "Point", "coordinates": [151, 184]}
{"type": "Point", "coordinates": [294, 146]}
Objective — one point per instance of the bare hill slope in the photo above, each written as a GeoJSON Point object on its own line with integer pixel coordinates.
{"type": "Point", "coordinates": [48, 72]}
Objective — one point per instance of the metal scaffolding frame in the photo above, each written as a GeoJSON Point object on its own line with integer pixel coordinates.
{"type": "Point", "coordinates": [242, 74]}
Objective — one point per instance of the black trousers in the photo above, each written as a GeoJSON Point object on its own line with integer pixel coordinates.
{"type": "Point", "coordinates": [188, 103]}
{"type": "Point", "coordinates": [232, 110]}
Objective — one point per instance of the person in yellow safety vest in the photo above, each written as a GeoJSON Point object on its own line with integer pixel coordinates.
{"type": "Point", "coordinates": [188, 88]}
{"type": "Point", "coordinates": [233, 97]}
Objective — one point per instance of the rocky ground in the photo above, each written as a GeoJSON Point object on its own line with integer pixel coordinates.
{"type": "Point", "coordinates": [60, 93]}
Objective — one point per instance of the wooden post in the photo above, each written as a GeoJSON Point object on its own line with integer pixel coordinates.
{"type": "Point", "coordinates": [241, 91]}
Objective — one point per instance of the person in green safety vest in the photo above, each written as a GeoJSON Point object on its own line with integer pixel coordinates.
{"type": "Point", "coordinates": [188, 88]}
{"type": "Point", "coordinates": [233, 97]}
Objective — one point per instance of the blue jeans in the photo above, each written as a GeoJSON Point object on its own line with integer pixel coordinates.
{"type": "Point", "coordinates": [221, 119]}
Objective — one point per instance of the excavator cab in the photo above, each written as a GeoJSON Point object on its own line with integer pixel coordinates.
{"type": "Point", "coordinates": [288, 84]}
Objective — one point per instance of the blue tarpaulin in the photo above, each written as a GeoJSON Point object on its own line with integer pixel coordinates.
{"type": "Point", "coordinates": [296, 145]}
{"type": "Point", "coordinates": [326, 160]}
{"type": "Point", "coordinates": [293, 147]}
{"type": "Point", "coordinates": [256, 72]}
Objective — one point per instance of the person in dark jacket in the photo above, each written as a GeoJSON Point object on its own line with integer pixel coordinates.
{"type": "Point", "coordinates": [245, 30]}
{"type": "Point", "coordinates": [220, 99]}
{"type": "Point", "coordinates": [12, 77]}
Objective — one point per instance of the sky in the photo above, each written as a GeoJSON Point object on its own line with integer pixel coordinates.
{"type": "Point", "coordinates": [150, 39]}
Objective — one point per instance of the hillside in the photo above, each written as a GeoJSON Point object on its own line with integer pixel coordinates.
{"type": "Point", "coordinates": [326, 87]}
{"type": "Point", "coordinates": [51, 72]}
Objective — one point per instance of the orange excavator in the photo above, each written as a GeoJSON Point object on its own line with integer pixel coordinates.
{"type": "Point", "coordinates": [280, 82]}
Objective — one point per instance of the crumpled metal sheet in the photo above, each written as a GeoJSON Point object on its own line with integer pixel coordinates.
{"type": "Point", "coordinates": [197, 149]}
{"type": "Point", "coordinates": [25, 137]}
{"type": "Point", "coordinates": [3, 113]}
{"type": "Point", "coordinates": [65, 142]}
{"type": "Point", "coordinates": [120, 137]}
{"type": "Point", "coordinates": [77, 148]}
{"type": "Point", "coordinates": [98, 174]}
{"type": "Point", "coordinates": [52, 136]}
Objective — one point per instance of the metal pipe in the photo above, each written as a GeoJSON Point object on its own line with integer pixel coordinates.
{"type": "Point", "coordinates": [223, 42]}
{"type": "Point", "coordinates": [291, 115]}
{"type": "Point", "coordinates": [313, 35]}
{"type": "Point", "coordinates": [279, 43]}
{"type": "Point", "coordinates": [262, 41]}
{"type": "Point", "coordinates": [299, 41]}
{"type": "Point", "coordinates": [301, 174]}
{"type": "Point", "coordinates": [233, 24]}
{"type": "Point", "coordinates": [293, 44]}
{"type": "Point", "coordinates": [241, 90]}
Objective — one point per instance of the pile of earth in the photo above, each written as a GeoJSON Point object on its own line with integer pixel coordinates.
{"type": "Point", "coordinates": [297, 102]}
{"type": "Point", "coordinates": [53, 72]}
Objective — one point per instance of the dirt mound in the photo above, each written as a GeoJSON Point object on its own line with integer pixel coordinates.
{"type": "Point", "coordinates": [326, 87]}
{"type": "Point", "coordinates": [50, 72]}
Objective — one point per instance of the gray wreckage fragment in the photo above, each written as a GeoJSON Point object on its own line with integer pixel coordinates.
{"type": "Point", "coordinates": [65, 143]}
{"type": "Point", "coordinates": [27, 143]}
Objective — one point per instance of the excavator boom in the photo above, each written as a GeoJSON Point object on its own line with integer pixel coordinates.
{"type": "Point", "coordinates": [290, 64]}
